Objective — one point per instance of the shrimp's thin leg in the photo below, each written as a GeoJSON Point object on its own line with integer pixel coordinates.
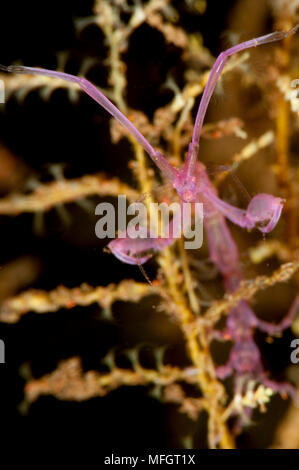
{"type": "Point", "coordinates": [273, 329]}
{"type": "Point", "coordinates": [222, 372]}
{"type": "Point", "coordinates": [161, 162]}
{"type": "Point", "coordinates": [263, 211]}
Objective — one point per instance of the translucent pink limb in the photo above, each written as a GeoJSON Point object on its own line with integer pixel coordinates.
{"type": "Point", "coordinates": [132, 251]}
{"type": "Point", "coordinates": [213, 79]}
{"type": "Point", "coordinates": [283, 388]}
{"type": "Point", "coordinates": [136, 250]}
{"type": "Point", "coordinates": [273, 329]}
{"type": "Point", "coordinates": [161, 162]}
{"type": "Point", "coordinates": [236, 215]}
{"type": "Point", "coordinates": [263, 211]}
{"type": "Point", "coordinates": [223, 250]}
{"type": "Point", "coordinates": [222, 372]}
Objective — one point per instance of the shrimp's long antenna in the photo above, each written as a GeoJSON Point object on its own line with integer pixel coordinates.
{"type": "Point", "coordinates": [212, 82]}
{"type": "Point", "coordinates": [235, 179]}
{"type": "Point", "coordinates": [161, 162]}
{"type": "Point", "coordinates": [145, 274]}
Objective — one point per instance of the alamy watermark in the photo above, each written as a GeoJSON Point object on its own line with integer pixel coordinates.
{"type": "Point", "coordinates": [154, 220]}
{"type": "Point", "coordinates": [2, 92]}
{"type": "Point", "coordinates": [295, 353]}
{"type": "Point", "coordinates": [2, 352]}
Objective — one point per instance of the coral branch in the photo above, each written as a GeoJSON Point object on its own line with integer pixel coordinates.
{"type": "Point", "coordinates": [65, 191]}
{"type": "Point", "coordinates": [68, 382]}
{"type": "Point", "coordinates": [248, 289]}
{"type": "Point", "coordinates": [268, 248]}
{"type": "Point", "coordinates": [20, 86]}
{"type": "Point", "coordinates": [40, 301]}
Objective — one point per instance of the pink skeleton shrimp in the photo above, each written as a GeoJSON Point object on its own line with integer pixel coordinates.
{"type": "Point", "coordinates": [193, 185]}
